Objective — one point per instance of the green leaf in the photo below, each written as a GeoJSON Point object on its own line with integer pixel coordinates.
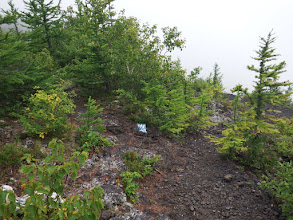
{"type": "Point", "coordinates": [74, 167]}
{"type": "Point", "coordinates": [86, 194]}
{"type": "Point", "coordinates": [81, 159]}
{"type": "Point", "coordinates": [29, 190]}
{"type": "Point", "coordinates": [73, 175]}
{"type": "Point", "coordinates": [61, 158]}
{"type": "Point", "coordinates": [51, 169]}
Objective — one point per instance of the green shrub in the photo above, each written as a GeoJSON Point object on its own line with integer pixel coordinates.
{"type": "Point", "coordinates": [130, 187]}
{"type": "Point", "coordinates": [284, 140]}
{"type": "Point", "coordinates": [281, 186]}
{"type": "Point", "coordinates": [42, 180]}
{"type": "Point", "coordinates": [138, 168]}
{"type": "Point", "coordinates": [47, 111]}
{"type": "Point", "coordinates": [135, 163]}
{"type": "Point", "coordinates": [175, 119]}
{"type": "Point", "coordinates": [165, 109]}
{"type": "Point", "coordinates": [249, 140]}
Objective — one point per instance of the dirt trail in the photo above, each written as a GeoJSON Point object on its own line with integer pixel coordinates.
{"type": "Point", "coordinates": [193, 181]}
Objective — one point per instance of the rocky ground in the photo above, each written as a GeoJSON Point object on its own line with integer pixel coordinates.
{"type": "Point", "coordinates": [192, 181]}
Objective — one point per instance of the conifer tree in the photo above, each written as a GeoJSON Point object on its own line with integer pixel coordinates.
{"type": "Point", "coordinates": [14, 66]}
{"type": "Point", "coordinates": [11, 16]}
{"type": "Point", "coordinates": [43, 19]}
{"type": "Point", "coordinates": [266, 87]}
{"type": "Point", "coordinates": [254, 130]}
{"type": "Point", "coordinates": [216, 76]}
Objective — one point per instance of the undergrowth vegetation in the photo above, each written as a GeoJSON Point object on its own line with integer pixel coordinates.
{"type": "Point", "coordinates": [99, 53]}
{"type": "Point", "coordinates": [44, 186]}
{"type": "Point", "coordinates": [46, 113]}
{"type": "Point", "coordinates": [89, 130]}
{"type": "Point", "coordinates": [137, 168]}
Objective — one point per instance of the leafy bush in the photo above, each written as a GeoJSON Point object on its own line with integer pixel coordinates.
{"type": "Point", "coordinates": [135, 163]}
{"type": "Point", "coordinates": [130, 187]}
{"type": "Point", "coordinates": [137, 168]}
{"type": "Point", "coordinates": [284, 139]}
{"type": "Point", "coordinates": [249, 140]}
{"type": "Point", "coordinates": [42, 181]}
{"type": "Point", "coordinates": [90, 128]}
{"type": "Point", "coordinates": [281, 186]}
{"type": "Point", "coordinates": [47, 111]}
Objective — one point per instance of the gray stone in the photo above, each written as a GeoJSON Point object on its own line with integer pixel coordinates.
{"type": "Point", "coordinates": [6, 133]}
{"type": "Point", "coordinates": [228, 177]}
{"type": "Point", "coordinates": [89, 164]}
{"type": "Point", "coordinates": [114, 139]}
{"type": "Point", "coordinates": [29, 143]}
{"type": "Point", "coordinates": [22, 200]}
{"type": "Point", "coordinates": [114, 126]}
{"type": "Point", "coordinates": [134, 214]}
{"type": "Point", "coordinates": [219, 118]}
{"type": "Point", "coordinates": [162, 217]}
{"type": "Point", "coordinates": [106, 215]}
{"type": "Point", "coordinates": [113, 195]}
{"type": "Point", "coordinates": [96, 182]}
{"type": "Point", "coordinates": [109, 163]}
{"type": "Point", "coordinates": [86, 186]}
{"type": "Point", "coordinates": [127, 207]}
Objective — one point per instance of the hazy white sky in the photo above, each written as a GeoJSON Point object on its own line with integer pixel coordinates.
{"type": "Point", "coordinates": [222, 31]}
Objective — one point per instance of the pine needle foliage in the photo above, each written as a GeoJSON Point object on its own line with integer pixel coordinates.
{"type": "Point", "coordinates": [267, 87]}
{"type": "Point", "coordinates": [251, 138]}
{"type": "Point", "coordinates": [43, 21]}
{"type": "Point", "coordinates": [92, 125]}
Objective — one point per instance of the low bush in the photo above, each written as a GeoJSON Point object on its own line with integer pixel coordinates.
{"type": "Point", "coordinates": [281, 186]}
{"type": "Point", "coordinates": [41, 181]}
{"type": "Point", "coordinates": [136, 163]}
{"type": "Point", "coordinates": [46, 113]}
{"type": "Point", "coordinates": [137, 168]}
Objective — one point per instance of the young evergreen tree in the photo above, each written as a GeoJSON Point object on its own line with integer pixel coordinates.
{"type": "Point", "coordinates": [252, 135]}
{"type": "Point", "coordinates": [267, 86]}
{"type": "Point", "coordinates": [216, 76]}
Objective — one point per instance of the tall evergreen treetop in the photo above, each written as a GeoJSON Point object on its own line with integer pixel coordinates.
{"type": "Point", "coordinates": [11, 16]}
{"type": "Point", "coordinates": [43, 19]}
{"type": "Point", "coordinates": [267, 85]}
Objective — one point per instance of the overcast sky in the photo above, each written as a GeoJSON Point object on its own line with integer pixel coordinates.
{"type": "Point", "coordinates": [222, 31]}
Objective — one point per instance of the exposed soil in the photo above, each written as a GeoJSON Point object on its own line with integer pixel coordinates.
{"type": "Point", "coordinates": [192, 181]}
